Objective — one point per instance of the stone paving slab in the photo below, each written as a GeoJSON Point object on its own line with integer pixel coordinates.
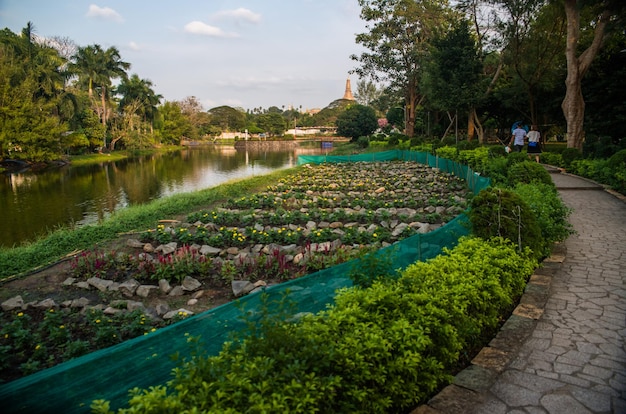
{"type": "Point", "coordinates": [563, 351]}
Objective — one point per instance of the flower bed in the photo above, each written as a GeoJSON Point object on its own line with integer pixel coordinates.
{"type": "Point", "coordinates": [322, 216]}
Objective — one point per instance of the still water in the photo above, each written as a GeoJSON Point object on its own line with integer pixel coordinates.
{"type": "Point", "coordinates": [32, 203]}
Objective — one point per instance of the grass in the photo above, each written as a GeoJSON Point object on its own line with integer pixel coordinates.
{"type": "Point", "coordinates": [98, 158]}
{"type": "Point", "coordinates": [17, 261]}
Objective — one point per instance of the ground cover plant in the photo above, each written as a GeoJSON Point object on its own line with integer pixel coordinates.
{"type": "Point", "coordinates": [324, 215]}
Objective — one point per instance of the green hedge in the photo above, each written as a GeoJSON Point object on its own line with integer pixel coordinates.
{"type": "Point", "coordinates": [382, 349]}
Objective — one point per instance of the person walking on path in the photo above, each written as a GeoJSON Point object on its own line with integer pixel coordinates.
{"type": "Point", "coordinates": [574, 361]}
{"type": "Point", "coordinates": [517, 139]}
{"type": "Point", "coordinates": [534, 143]}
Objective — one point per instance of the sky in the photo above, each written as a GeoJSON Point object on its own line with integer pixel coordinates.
{"type": "Point", "coordinates": [241, 53]}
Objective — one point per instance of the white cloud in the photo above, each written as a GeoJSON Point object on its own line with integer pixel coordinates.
{"type": "Point", "coordinates": [133, 46]}
{"type": "Point", "coordinates": [204, 29]}
{"type": "Point", "coordinates": [106, 13]}
{"type": "Point", "coordinates": [241, 14]}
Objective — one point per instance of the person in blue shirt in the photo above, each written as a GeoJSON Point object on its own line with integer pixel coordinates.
{"type": "Point", "coordinates": [518, 138]}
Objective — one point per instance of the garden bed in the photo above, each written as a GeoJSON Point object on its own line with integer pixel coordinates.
{"type": "Point", "coordinates": [319, 217]}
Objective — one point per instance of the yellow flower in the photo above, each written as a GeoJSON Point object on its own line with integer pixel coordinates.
{"type": "Point", "coordinates": [19, 315]}
{"type": "Point", "coordinates": [62, 327]}
{"type": "Point", "coordinates": [37, 347]}
{"type": "Point", "coordinates": [97, 320]}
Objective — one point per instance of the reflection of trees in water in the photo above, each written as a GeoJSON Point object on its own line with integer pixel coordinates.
{"type": "Point", "coordinates": [33, 202]}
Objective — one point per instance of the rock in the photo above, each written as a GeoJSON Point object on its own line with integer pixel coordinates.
{"type": "Point", "coordinates": [132, 305]}
{"type": "Point", "coordinates": [111, 311]}
{"type": "Point", "coordinates": [323, 225]}
{"type": "Point", "coordinates": [167, 249]}
{"type": "Point", "coordinates": [399, 229]}
{"type": "Point", "coordinates": [46, 304]}
{"type": "Point", "coordinates": [165, 286]}
{"type": "Point", "coordinates": [198, 294]}
{"type": "Point", "coordinates": [13, 303]}
{"type": "Point", "coordinates": [241, 287]}
{"type": "Point", "coordinates": [424, 229]}
{"type": "Point", "coordinates": [145, 291]}
{"type": "Point", "coordinates": [69, 281]}
{"type": "Point", "coordinates": [179, 312]}
{"type": "Point", "coordinates": [260, 283]}
{"type": "Point", "coordinates": [134, 243]}
{"type": "Point", "coordinates": [129, 287]}
{"type": "Point", "coordinates": [162, 308]}
{"type": "Point", "coordinates": [209, 250]}
{"type": "Point", "coordinates": [379, 190]}
{"type": "Point", "coordinates": [176, 291]}
{"type": "Point", "coordinates": [233, 250]}
{"type": "Point", "coordinates": [79, 303]}
{"type": "Point", "coordinates": [192, 302]}
{"type": "Point", "coordinates": [101, 284]}
{"type": "Point", "coordinates": [83, 285]}
{"type": "Point", "coordinates": [336, 225]}
{"type": "Point", "coordinates": [190, 284]}
{"type": "Point", "coordinates": [148, 248]}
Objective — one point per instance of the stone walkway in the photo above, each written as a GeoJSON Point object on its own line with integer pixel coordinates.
{"type": "Point", "coordinates": [563, 350]}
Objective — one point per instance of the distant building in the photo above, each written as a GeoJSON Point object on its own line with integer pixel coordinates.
{"type": "Point", "coordinates": [348, 93]}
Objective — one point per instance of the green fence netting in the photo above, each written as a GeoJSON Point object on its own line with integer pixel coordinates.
{"type": "Point", "coordinates": [146, 361]}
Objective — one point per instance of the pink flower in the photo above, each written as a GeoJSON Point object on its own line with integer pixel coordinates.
{"type": "Point", "coordinates": [382, 122]}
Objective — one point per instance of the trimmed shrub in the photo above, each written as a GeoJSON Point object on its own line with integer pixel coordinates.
{"type": "Point", "coordinates": [569, 155]}
{"type": "Point", "coordinates": [549, 211]}
{"type": "Point", "coordinates": [497, 212]}
{"type": "Point", "coordinates": [528, 172]}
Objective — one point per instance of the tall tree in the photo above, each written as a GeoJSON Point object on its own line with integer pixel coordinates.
{"type": "Point", "coordinates": [398, 40]}
{"type": "Point", "coordinates": [97, 68]}
{"type": "Point", "coordinates": [607, 14]}
{"type": "Point", "coordinates": [138, 93]}
{"type": "Point", "coordinates": [453, 79]}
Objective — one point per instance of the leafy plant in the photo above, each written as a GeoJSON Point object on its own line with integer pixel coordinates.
{"type": "Point", "coordinates": [497, 212]}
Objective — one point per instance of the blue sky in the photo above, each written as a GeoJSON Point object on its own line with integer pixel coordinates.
{"type": "Point", "coordinates": [242, 53]}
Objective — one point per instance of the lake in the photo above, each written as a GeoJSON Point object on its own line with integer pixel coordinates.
{"type": "Point", "coordinates": [33, 203]}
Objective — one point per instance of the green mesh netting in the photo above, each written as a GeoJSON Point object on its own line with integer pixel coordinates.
{"type": "Point", "coordinates": [146, 361]}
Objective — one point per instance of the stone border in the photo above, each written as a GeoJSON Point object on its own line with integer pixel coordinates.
{"type": "Point", "coordinates": [469, 385]}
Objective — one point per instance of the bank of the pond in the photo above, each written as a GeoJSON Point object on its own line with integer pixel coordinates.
{"type": "Point", "coordinates": [56, 245]}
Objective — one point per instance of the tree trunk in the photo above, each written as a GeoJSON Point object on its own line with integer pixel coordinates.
{"type": "Point", "coordinates": [474, 126]}
{"type": "Point", "coordinates": [573, 104]}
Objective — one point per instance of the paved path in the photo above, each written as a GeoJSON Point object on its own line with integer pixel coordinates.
{"type": "Point", "coordinates": [564, 349]}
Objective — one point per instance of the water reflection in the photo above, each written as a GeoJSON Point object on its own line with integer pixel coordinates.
{"type": "Point", "coordinates": [32, 203]}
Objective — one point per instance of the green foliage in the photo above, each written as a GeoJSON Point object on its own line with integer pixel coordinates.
{"type": "Point", "coordinates": [370, 268]}
{"type": "Point", "coordinates": [549, 211]}
{"type": "Point", "coordinates": [356, 121]}
{"type": "Point", "coordinates": [497, 212]}
{"type": "Point", "coordinates": [452, 79]}
{"type": "Point", "coordinates": [552, 158]}
{"type": "Point", "coordinates": [35, 339]}
{"type": "Point", "coordinates": [380, 349]}
{"type": "Point", "coordinates": [570, 155]}
{"type": "Point", "coordinates": [528, 172]}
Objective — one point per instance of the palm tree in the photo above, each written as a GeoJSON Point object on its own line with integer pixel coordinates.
{"type": "Point", "coordinates": [96, 68]}
{"type": "Point", "coordinates": [134, 89]}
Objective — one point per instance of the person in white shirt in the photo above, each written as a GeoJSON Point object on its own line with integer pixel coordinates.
{"type": "Point", "coordinates": [518, 138]}
{"type": "Point", "coordinates": [534, 143]}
